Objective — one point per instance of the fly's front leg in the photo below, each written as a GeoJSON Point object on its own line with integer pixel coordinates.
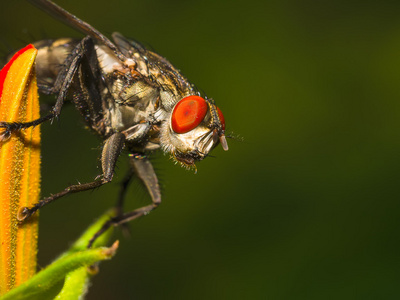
{"type": "Point", "coordinates": [62, 84]}
{"type": "Point", "coordinates": [145, 172]}
{"type": "Point", "coordinates": [111, 151]}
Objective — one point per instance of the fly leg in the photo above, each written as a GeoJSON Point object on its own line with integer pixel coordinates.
{"type": "Point", "coordinates": [145, 172]}
{"type": "Point", "coordinates": [111, 151]}
{"type": "Point", "coordinates": [62, 84]}
{"type": "Point", "coordinates": [121, 197]}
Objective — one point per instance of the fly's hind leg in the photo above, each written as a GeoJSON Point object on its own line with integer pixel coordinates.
{"type": "Point", "coordinates": [111, 151]}
{"type": "Point", "coordinates": [62, 84]}
{"type": "Point", "coordinates": [119, 206]}
{"type": "Point", "coordinates": [144, 170]}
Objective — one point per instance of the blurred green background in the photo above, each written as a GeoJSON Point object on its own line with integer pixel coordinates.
{"type": "Point", "coordinates": [305, 207]}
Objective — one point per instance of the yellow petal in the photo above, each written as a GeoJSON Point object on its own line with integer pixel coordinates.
{"type": "Point", "coordinates": [19, 171]}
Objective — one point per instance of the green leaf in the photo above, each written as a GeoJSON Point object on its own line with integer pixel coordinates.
{"type": "Point", "coordinates": [75, 285]}
{"type": "Point", "coordinates": [74, 267]}
{"type": "Point", "coordinates": [82, 242]}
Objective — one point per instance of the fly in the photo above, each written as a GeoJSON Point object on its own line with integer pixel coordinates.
{"type": "Point", "coordinates": [132, 97]}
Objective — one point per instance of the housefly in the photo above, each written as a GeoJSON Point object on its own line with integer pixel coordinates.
{"type": "Point", "coordinates": [132, 97]}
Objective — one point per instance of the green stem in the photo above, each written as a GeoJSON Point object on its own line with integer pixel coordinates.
{"type": "Point", "coordinates": [56, 272]}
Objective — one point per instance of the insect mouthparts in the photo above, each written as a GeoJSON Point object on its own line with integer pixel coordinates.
{"type": "Point", "coordinates": [223, 142]}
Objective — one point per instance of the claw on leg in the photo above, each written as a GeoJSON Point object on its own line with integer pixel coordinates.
{"type": "Point", "coordinates": [24, 213]}
{"type": "Point", "coordinates": [4, 134]}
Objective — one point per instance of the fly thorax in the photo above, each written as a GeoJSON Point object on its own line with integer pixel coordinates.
{"type": "Point", "coordinates": [134, 102]}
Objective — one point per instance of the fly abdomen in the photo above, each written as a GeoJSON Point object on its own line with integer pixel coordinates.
{"type": "Point", "coordinates": [50, 59]}
{"type": "Point", "coordinates": [69, 67]}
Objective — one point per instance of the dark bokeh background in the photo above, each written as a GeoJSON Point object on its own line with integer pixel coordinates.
{"type": "Point", "coordinates": [305, 207]}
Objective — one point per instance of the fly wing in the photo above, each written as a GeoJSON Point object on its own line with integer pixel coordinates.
{"type": "Point", "coordinates": [128, 46]}
{"type": "Point", "coordinates": [64, 16]}
{"type": "Point", "coordinates": [134, 50]}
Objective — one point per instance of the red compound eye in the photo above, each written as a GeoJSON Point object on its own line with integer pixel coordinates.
{"type": "Point", "coordinates": [221, 118]}
{"type": "Point", "coordinates": [188, 114]}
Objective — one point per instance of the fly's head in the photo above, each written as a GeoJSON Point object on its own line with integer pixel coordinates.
{"type": "Point", "coordinates": [193, 128]}
{"type": "Point", "coordinates": [190, 126]}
